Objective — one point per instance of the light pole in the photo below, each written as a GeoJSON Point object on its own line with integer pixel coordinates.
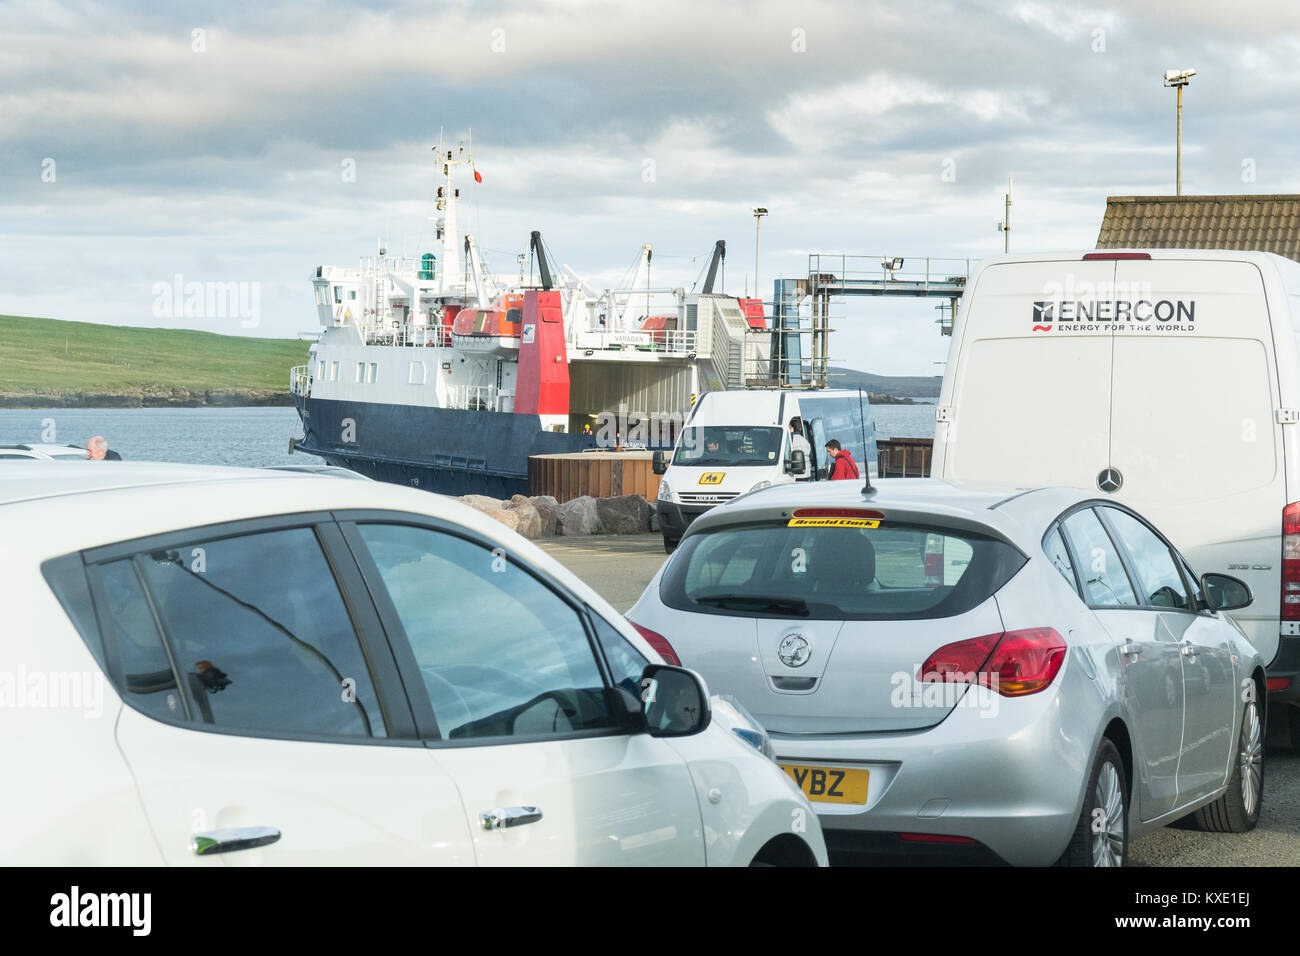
{"type": "Point", "coordinates": [759, 213]}
{"type": "Point", "coordinates": [1179, 79]}
{"type": "Point", "coordinates": [1004, 226]}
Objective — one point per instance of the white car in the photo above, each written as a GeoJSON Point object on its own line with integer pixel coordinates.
{"type": "Point", "coordinates": [207, 665]}
{"type": "Point", "coordinates": [42, 452]}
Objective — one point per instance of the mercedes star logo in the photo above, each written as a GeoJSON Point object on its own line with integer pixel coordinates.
{"type": "Point", "coordinates": [1110, 480]}
{"type": "Point", "coordinates": [794, 650]}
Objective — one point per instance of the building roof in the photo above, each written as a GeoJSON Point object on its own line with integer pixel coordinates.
{"type": "Point", "coordinates": [1263, 223]}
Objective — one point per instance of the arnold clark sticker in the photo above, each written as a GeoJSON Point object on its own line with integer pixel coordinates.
{"type": "Point", "coordinates": [833, 523]}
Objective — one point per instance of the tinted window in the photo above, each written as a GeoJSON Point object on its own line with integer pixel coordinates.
{"type": "Point", "coordinates": [500, 653]}
{"type": "Point", "coordinates": [856, 573]}
{"type": "Point", "coordinates": [148, 681]}
{"type": "Point", "coordinates": [625, 662]}
{"type": "Point", "coordinates": [1104, 582]}
{"type": "Point", "coordinates": [260, 635]}
{"type": "Point", "coordinates": [1059, 555]}
{"type": "Point", "coordinates": [728, 447]}
{"type": "Point", "coordinates": [1152, 562]}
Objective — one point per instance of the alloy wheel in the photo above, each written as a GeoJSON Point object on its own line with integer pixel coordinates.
{"type": "Point", "coordinates": [1108, 831]}
{"type": "Point", "coordinates": [1251, 759]}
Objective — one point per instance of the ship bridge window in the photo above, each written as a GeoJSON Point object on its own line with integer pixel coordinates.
{"type": "Point", "coordinates": [361, 368]}
{"type": "Point", "coordinates": [334, 371]}
{"type": "Point", "coordinates": [372, 373]}
{"type": "Point", "coordinates": [352, 294]}
{"type": "Point", "coordinates": [338, 295]}
{"type": "Point", "coordinates": [321, 293]}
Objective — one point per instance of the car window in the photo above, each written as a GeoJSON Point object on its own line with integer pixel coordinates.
{"type": "Point", "coordinates": [1153, 564]}
{"type": "Point", "coordinates": [832, 569]}
{"type": "Point", "coordinates": [500, 653]}
{"type": "Point", "coordinates": [148, 681]}
{"type": "Point", "coordinates": [1056, 551]}
{"type": "Point", "coordinates": [1105, 582]}
{"type": "Point", "coordinates": [626, 664]}
{"type": "Point", "coordinates": [258, 632]}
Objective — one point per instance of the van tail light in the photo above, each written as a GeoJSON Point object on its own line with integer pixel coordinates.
{"type": "Point", "coordinates": [659, 643]}
{"type": "Point", "coordinates": [1014, 663]}
{"type": "Point", "coordinates": [1290, 610]}
{"type": "Point", "coordinates": [1277, 683]}
{"type": "Point", "coordinates": [933, 561]}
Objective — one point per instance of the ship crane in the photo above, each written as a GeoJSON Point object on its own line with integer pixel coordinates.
{"type": "Point", "coordinates": [620, 297]}
{"type": "Point", "coordinates": [485, 288]}
{"type": "Point", "coordinates": [719, 258]}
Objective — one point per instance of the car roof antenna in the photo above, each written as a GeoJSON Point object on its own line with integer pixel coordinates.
{"type": "Point", "coordinates": [867, 490]}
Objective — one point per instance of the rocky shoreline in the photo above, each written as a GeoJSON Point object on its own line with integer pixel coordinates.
{"type": "Point", "coordinates": [542, 516]}
{"type": "Point", "coordinates": [147, 397]}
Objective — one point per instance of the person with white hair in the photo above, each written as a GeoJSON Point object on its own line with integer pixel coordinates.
{"type": "Point", "coordinates": [97, 450]}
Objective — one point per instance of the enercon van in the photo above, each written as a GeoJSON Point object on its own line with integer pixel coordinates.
{"type": "Point", "coordinates": [739, 441]}
{"type": "Point", "coordinates": [1167, 379]}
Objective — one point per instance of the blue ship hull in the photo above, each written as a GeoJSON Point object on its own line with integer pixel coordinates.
{"type": "Point", "coordinates": [448, 450]}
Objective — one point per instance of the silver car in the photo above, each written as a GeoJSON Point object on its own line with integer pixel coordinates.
{"type": "Point", "coordinates": [970, 674]}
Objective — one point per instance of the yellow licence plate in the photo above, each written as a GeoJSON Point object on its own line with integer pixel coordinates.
{"type": "Point", "coordinates": [829, 784]}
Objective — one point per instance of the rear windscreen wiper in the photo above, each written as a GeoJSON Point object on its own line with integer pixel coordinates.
{"type": "Point", "coordinates": [757, 602]}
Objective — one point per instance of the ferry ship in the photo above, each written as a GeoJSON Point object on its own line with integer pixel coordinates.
{"type": "Point", "coordinates": [432, 372]}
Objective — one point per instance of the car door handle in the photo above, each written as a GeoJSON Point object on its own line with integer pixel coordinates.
{"type": "Point", "coordinates": [228, 841]}
{"type": "Point", "coordinates": [501, 818]}
{"type": "Point", "coordinates": [1131, 650]}
{"type": "Point", "coordinates": [1188, 649]}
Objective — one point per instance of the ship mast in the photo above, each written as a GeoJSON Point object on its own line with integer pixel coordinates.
{"type": "Point", "coordinates": [449, 273]}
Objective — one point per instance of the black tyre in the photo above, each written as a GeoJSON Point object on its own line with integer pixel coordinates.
{"type": "Point", "coordinates": [1238, 809]}
{"type": "Point", "coordinates": [670, 544]}
{"type": "Point", "coordinates": [1293, 724]}
{"type": "Point", "coordinates": [1100, 836]}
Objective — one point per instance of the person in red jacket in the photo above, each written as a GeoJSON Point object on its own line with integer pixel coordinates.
{"type": "Point", "coordinates": [844, 466]}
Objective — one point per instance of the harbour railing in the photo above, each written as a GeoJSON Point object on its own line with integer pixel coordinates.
{"type": "Point", "coordinates": [848, 273]}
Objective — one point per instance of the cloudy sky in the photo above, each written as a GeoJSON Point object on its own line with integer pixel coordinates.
{"type": "Point", "coordinates": [210, 140]}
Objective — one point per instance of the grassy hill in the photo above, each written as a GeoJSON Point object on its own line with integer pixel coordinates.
{"type": "Point", "coordinates": [903, 386]}
{"type": "Point", "coordinates": [47, 362]}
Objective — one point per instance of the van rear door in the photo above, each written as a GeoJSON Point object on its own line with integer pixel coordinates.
{"type": "Point", "coordinates": [1032, 383]}
{"type": "Point", "coordinates": [1192, 429]}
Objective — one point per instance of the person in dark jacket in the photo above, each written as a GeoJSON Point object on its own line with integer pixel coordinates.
{"type": "Point", "coordinates": [97, 450]}
{"type": "Point", "coordinates": [843, 466]}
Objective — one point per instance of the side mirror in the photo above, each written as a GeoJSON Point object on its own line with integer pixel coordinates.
{"type": "Point", "coordinates": [796, 463]}
{"type": "Point", "coordinates": [674, 700]}
{"type": "Point", "coordinates": [1225, 593]}
{"type": "Point", "coordinates": [658, 463]}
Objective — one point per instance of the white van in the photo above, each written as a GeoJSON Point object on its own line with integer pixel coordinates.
{"type": "Point", "coordinates": [1169, 379]}
{"type": "Point", "coordinates": [739, 441]}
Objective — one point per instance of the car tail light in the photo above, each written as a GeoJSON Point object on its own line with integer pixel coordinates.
{"type": "Point", "coordinates": [837, 513]}
{"type": "Point", "coordinates": [934, 838]}
{"type": "Point", "coordinates": [1014, 663]}
{"type": "Point", "coordinates": [659, 643]}
{"type": "Point", "coordinates": [1277, 683]}
{"type": "Point", "coordinates": [962, 658]}
{"type": "Point", "coordinates": [933, 561]}
{"type": "Point", "coordinates": [1290, 610]}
